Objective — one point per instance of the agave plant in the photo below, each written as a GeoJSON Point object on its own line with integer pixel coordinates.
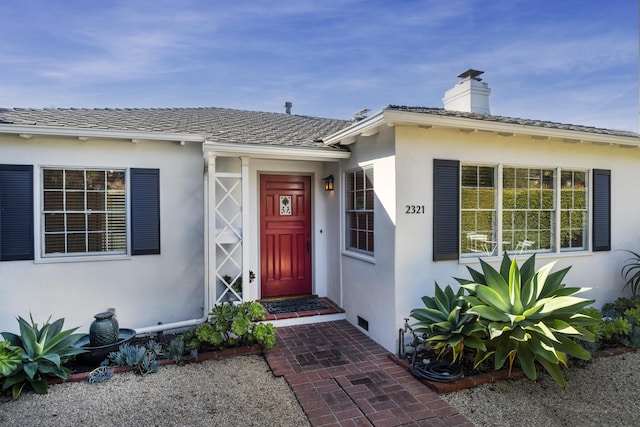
{"type": "Point", "coordinates": [530, 316]}
{"type": "Point", "coordinates": [447, 324]}
{"type": "Point", "coordinates": [10, 358]}
{"type": "Point", "coordinates": [43, 351]}
{"type": "Point", "coordinates": [631, 273]}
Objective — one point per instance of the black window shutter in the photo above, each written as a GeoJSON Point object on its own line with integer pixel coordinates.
{"type": "Point", "coordinates": [446, 209]}
{"type": "Point", "coordinates": [601, 210]}
{"type": "Point", "coordinates": [145, 211]}
{"type": "Point", "coordinates": [16, 212]}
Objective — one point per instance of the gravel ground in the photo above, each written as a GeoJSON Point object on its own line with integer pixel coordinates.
{"type": "Point", "coordinates": [243, 391]}
{"type": "Point", "coordinates": [604, 393]}
{"type": "Point", "coordinates": [239, 391]}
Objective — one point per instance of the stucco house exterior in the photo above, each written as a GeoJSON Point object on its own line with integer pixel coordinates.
{"type": "Point", "coordinates": [146, 210]}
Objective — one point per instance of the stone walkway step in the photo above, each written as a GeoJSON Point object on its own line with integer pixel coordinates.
{"type": "Point", "coordinates": [341, 377]}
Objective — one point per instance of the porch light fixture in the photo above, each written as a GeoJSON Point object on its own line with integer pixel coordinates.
{"type": "Point", "coordinates": [328, 183]}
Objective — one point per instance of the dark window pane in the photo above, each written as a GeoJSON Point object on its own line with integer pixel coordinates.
{"type": "Point", "coordinates": [54, 243]}
{"type": "Point", "coordinates": [95, 201]}
{"type": "Point", "coordinates": [74, 180]}
{"type": "Point", "coordinates": [52, 179]}
{"type": "Point", "coordinates": [76, 222]}
{"type": "Point", "coordinates": [97, 242]}
{"type": "Point", "coordinates": [96, 180]}
{"type": "Point", "coordinates": [53, 201]}
{"type": "Point", "coordinates": [76, 242]}
{"type": "Point", "coordinates": [53, 222]}
{"type": "Point", "coordinates": [96, 221]}
{"type": "Point", "coordinates": [74, 201]}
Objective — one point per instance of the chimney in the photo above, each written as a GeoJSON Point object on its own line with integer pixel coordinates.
{"type": "Point", "coordinates": [287, 107]}
{"type": "Point", "coordinates": [470, 95]}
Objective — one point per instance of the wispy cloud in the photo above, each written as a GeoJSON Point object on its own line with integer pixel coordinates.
{"type": "Point", "coordinates": [330, 58]}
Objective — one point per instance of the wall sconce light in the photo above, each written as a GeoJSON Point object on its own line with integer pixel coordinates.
{"type": "Point", "coordinates": [328, 183]}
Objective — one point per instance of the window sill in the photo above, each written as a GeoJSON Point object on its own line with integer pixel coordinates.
{"type": "Point", "coordinates": [360, 256]}
{"type": "Point", "coordinates": [94, 258]}
{"type": "Point", "coordinates": [523, 256]}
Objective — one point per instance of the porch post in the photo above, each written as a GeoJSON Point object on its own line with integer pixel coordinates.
{"type": "Point", "coordinates": [248, 294]}
{"type": "Point", "coordinates": [210, 230]}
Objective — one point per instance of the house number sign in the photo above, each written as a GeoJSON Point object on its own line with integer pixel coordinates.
{"type": "Point", "coordinates": [414, 209]}
{"type": "Point", "coordinates": [285, 205]}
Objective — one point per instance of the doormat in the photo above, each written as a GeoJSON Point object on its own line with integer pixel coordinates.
{"type": "Point", "coordinates": [293, 305]}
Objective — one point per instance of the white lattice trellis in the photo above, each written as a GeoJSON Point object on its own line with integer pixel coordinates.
{"type": "Point", "coordinates": [228, 210]}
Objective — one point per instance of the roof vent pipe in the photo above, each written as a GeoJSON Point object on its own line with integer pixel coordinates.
{"type": "Point", "coordinates": [470, 95]}
{"type": "Point", "coordinates": [287, 107]}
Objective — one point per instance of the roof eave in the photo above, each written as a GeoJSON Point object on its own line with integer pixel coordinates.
{"type": "Point", "coordinates": [392, 118]}
{"type": "Point", "coordinates": [266, 151]}
{"type": "Point", "coordinates": [55, 131]}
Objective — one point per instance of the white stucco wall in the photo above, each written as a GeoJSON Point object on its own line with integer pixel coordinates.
{"type": "Point", "coordinates": [416, 148]}
{"type": "Point", "coordinates": [385, 290]}
{"type": "Point", "coordinates": [144, 289]}
{"type": "Point", "coordinates": [368, 284]}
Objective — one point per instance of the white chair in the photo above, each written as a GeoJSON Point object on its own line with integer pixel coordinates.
{"type": "Point", "coordinates": [524, 244]}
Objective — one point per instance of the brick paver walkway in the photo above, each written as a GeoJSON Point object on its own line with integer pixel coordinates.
{"type": "Point", "coordinates": [341, 377]}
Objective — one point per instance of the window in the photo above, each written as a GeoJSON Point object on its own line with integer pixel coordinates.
{"type": "Point", "coordinates": [573, 210]}
{"type": "Point", "coordinates": [478, 208]}
{"type": "Point", "coordinates": [526, 211]}
{"type": "Point", "coordinates": [83, 211]}
{"type": "Point", "coordinates": [359, 210]}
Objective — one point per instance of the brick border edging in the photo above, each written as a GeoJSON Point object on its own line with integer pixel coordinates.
{"type": "Point", "coordinates": [464, 382]}
{"type": "Point", "coordinates": [489, 377]}
{"type": "Point", "coordinates": [213, 355]}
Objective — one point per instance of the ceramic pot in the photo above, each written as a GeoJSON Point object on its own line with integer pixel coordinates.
{"type": "Point", "coordinates": [103, 330]}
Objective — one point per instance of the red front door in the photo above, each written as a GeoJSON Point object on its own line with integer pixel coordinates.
{"type": "Point", "coordinates": [285, 235]}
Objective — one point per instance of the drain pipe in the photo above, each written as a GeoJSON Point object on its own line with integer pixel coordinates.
{"type": "Point", "coordinates": [193, 322]}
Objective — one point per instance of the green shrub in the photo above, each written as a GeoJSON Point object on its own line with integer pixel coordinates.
{"type": "Point", "coordinates": [43, 351]}
{"type": "Point", "coordinates": [446, 323]}
{"type": "Point", "coordinates": [231, 325]}
{"type": "Point", "coordinates": [614, 329]}
{"type": "Point", "coordinates": [631, 273]}
{"type": "Point", "coordinates": [530, 317]}
{"type": "Point", "coordinates": [143, 359]}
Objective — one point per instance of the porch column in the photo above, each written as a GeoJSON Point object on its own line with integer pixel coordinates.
{"type": "Point", "coordinates": [248, 292]}
{"type": "Point", "coordinates": [210, 230]}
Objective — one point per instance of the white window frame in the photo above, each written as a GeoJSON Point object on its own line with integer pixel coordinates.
{"type": "Point", "coordinates": [496, 246]}
{"type": "Point", "coordinates": [41, 255]}
{"type": "Point", "coordinates": [347, 237]}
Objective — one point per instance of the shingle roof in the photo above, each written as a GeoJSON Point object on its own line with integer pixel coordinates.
{"type": "Point", "coordinates": [216, 124]}
{"type": "Point", "coordinates": [512, 120]}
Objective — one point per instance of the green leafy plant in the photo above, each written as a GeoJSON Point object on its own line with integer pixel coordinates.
{"type": "Point", "coordinates": [43, 352]}
{"type": "Point", "coordinates": [175, 350]}
{"type": "Point", "coordinates": [631, 273]}
{"type": "Point", "coordinates": [143, 359]}
{"type": "Point", "coordinates": [447, 324]}
{"type": "Point", "coordinates": [10, 358]}
{"type": "Point", "coordinates": [529, 315]}
{"type": "Point", "coordinates": [232, 325]}
{"type": "Point", "coordinates": [612, 330]}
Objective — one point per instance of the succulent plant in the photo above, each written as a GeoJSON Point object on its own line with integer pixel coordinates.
{"type": "Point", "coordinates": [447, 324]}
{"type": "Point", "coordinates": [529, 315]}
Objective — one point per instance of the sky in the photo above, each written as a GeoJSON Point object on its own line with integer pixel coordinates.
{"type": "Point", "coordinates": [566, 61]}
